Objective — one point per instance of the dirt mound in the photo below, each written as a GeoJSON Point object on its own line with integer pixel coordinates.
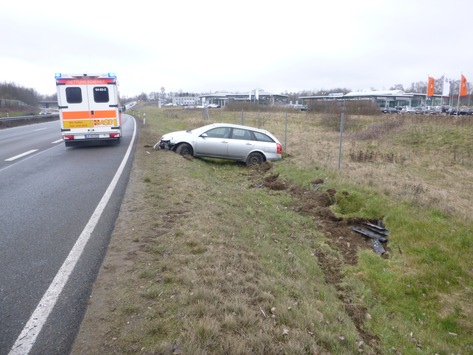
{"type": "Point", "coordinates": [316, 202]}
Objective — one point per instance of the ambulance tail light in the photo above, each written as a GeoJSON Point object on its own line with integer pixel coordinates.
{"type": "Point", "coordinates": [68, 137]}
{"type": "Point", "coordinates": [114, 135]}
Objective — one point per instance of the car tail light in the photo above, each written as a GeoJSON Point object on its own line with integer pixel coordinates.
{"type": "Point", "coordinates": [279, 148]}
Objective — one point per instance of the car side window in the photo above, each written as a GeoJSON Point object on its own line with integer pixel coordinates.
{"type": "Point", "coordinates": [219, 132]}
{"type": "Point", "coordinates": [262, 137]}
{"type": "Point", "coordinates": [241, 134]}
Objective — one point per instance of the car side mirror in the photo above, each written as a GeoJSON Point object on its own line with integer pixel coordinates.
{"type": "Point", "coordinates": [203, 135]}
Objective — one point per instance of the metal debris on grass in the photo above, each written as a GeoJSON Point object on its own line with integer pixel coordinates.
{"type": "Point", "coordinates": [377, 233]}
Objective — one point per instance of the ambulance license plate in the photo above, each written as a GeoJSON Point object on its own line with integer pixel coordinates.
{"type": "Point", "coordinates": [91, 136]}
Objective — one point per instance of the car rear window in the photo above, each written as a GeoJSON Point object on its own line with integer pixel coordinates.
{"type": "Point", "coordinates": [262, 137]}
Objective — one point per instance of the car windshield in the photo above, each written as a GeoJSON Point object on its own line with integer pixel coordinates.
{"type": "Point", "coordinates": [200, 129]}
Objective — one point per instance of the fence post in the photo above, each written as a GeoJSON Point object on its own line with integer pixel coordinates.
{"type": "Point", "coordinates": [285, 134]}
{"type": "Point", "coordinates": [342, 119]}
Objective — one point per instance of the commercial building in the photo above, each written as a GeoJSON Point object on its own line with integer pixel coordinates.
{"type": "Point", "coordinates": [383, 98]}
{"type": "Point", "coordinates": [257, 96]}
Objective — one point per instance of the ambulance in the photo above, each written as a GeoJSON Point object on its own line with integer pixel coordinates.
{"type": "Point", "coordinates": [89, 108]}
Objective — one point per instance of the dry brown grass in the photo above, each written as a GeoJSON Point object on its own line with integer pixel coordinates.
{"type": "Point", "coordinates": [203, 262]}
{"type": "Point", "coordinates": [405, 157]}
{"type": "Point", "coordinates": [195, 266]}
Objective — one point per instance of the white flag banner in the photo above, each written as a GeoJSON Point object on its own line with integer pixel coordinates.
{"type": "Point", "coordinates": [446, 87]}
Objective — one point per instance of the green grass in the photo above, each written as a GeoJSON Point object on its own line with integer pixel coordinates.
{"type": "Point", "coordinates": [428, 263]}
{"type": "Point", "coordinates": [430, 256]}
{"type": "Point", "coordinates": [237, 272]}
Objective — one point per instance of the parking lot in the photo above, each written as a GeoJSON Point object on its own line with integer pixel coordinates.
{"type": "Point", "coordinates": [430, 110]}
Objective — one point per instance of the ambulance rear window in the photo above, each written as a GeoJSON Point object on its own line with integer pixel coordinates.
{"type": "Point", "coordinates": [73, 95]}
{"type": "Point", "coordinates": [101, 94]}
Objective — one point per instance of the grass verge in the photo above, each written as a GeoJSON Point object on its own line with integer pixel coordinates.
{"type": "Point", "coordinates": [206, 260]}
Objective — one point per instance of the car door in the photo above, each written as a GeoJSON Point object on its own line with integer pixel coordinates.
{"type": "Point", "coordinates": [240, 144]}
{"type": "Point", "coordinates": [213, 143]}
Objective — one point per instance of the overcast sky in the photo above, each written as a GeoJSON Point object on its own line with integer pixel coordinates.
{"type": "Point", "coordinates": [207, 46]}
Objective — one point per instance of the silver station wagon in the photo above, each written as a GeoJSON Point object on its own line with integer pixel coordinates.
{"type": "Point", "coordinates": [225, 141]}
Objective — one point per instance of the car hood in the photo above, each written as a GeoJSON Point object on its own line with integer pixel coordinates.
{"type": "Point", "coordinates": [176, 135]}
{"type": "Point", "coordinates": [183, 135]}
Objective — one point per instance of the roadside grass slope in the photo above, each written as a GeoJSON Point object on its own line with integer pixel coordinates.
{"type": "Point", "coordinates": [210, 256]}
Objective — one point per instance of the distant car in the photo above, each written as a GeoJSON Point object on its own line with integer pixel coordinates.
{"type": "Point", "coordinates": [452, 111]}
{"type": "Point", "coordinates": [445, 109]}
{"type": "Point", "coordinates": [225, 141]}
{"type": "Point", "coordinates": [407, 109]}
{"type": "Point", "coordinates": [465, 111]}
{"type": "Point", "coordinates": [300, 107]}
{"type": "Point", "coordinates": [420, 110]}
{"type": "Point", "coordinates": [390, 110]}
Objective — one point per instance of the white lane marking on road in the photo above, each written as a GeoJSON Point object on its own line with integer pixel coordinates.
{"type": "Point", "coordinates": [39, 129]}
{"type": "Point", "coordinates": [25, 341]}
{"type": "Point", "coordinates": [58, 141]}
{"type": "Point", "coordinates": [21, 155]}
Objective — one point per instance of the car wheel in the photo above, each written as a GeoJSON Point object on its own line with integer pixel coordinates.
{"type": "Point", "coordinates": [184, 149]}
{"type": "Point", "coordinates": [254, 159]}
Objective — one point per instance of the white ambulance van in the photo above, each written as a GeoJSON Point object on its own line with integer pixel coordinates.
{"type": "Point", "coordinates": [89, 108]}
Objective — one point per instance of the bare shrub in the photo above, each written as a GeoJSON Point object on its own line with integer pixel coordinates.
{"type": "Point", "coordinates": [462, 156]}
{"type": "Point", "coordinates": [372, 156]}
{"type": "Point", "coordinates": [377, 130]}
{"type": "Point", "coordinates": [354, 107]}
{"type": "Point", "coordinates": [333, 122]}
{"type": "Point", "coordinates": [357, 107]}
{"type": "Point", "coordinates": [253, 107]}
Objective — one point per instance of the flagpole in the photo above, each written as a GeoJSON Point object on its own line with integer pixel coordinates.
{"type": "Point", "coordinates": [427, 93]}
{"type": "Point", "coordinates": [450, 98]}
{"type": "Point", "coordinates": [443, 90]}
{"type": "Point", "coordinates": [459, 91]}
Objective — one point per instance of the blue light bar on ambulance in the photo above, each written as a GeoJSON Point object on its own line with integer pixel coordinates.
{"type": "Point", "coordinates": [111, 75]}
{"type": "Point", "coordinates": [57, 75]}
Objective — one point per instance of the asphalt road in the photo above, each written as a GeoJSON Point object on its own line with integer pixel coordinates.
{"type": "Point", "coordinates": [58, 206]}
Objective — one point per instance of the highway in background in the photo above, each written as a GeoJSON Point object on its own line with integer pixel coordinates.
{"type": "Point", "coordinates": [53, 206]}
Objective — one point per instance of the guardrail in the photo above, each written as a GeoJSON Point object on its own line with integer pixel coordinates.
{"type": "Point", "coordinates": [6, 122]}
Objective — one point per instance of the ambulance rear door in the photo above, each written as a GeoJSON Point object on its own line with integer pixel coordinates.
{"type": "Point", "coordinates": [74, 106]}
{"type": "Point", "coordinates": [103, 107]}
